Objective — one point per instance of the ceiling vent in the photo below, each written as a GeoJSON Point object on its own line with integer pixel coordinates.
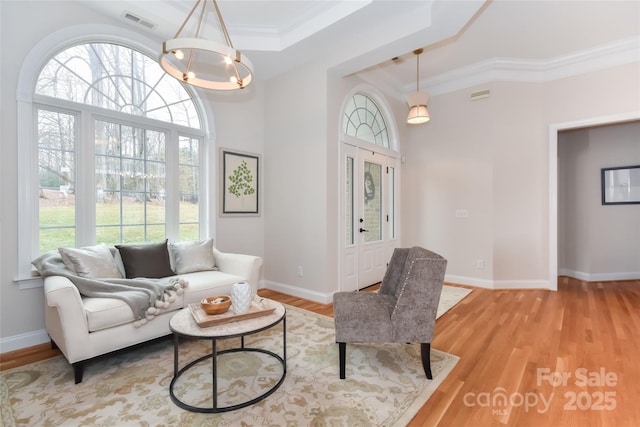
{"type": "Point", "coordinates": [480, 94]}
{"type": "Point", "coordinates": [137, 19]}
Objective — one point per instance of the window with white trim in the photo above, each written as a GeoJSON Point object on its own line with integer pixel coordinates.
{"type": "Point", "coordinates": [119, 146]}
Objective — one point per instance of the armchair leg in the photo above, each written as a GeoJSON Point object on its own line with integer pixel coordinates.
{"type": "Point", "coordinates": [342, 349]}
{"type": "Point", "coordinates": [78, 370]}
{"type": "Point", "coordinates": [425, 353]}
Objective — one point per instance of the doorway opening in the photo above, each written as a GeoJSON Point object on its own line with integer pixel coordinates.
{"type": "Point", "coordinates": [554, 130]}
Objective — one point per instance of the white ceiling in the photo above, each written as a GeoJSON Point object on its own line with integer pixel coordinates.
{"type": "Point", "coordinates": [362, 36]}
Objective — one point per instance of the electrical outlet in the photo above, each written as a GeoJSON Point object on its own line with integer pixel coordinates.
{"type": "Point", "coordinates": [300, 273]}
{"type": "Point", "coordinates": [480, 264]}
{"type": "Point", "coordinates": [462, 213]}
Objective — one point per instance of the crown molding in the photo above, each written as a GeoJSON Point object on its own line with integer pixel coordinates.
{"type": "Point", "coordinates": [601, 57]}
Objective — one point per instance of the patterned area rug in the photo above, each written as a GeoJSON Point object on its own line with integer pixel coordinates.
{"type": "Point", "coordinates": [385, 383]}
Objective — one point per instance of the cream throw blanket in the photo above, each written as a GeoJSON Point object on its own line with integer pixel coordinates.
{"type": "Point", "coordinates": [145, 296]}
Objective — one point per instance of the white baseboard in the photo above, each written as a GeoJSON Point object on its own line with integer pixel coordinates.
{"type": "Point", "coordinates": [17, 342]}
{"type": "Point", "coordinates": [327, 298]}
{"type": "Point", "coordinates": [497, 284]}
{"type": "Point", "coordinates": [521, 284]}
{"type": "Point", "coordinates": [468, 281]}
{"type": "Point", "coordinates": [320, 297]}
{"type": "Point", "coordinates": [599, 277]}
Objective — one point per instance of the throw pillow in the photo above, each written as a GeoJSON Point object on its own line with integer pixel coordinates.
{"type": "Point", "coordinates": [193, 256]}
{"type": "Point", "coordinates": [91, 261]}
{"type": "Point", "coordinates": [149, 260]}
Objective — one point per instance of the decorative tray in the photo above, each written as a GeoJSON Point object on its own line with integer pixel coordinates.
{"type": "Point", "coordinates": [205, 320]}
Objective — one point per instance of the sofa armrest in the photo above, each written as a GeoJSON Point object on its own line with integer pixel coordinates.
{"type": "Point", "coordinates": [246, 266]}
{"type": "Point", "coordinates": [65, 318]}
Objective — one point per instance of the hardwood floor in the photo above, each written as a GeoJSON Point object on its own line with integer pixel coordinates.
{"type": "Point", "coordinates": [527, 357]}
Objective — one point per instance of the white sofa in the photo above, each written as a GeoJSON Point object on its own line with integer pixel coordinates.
{"type": "Point", "coordinates": [84, 327]}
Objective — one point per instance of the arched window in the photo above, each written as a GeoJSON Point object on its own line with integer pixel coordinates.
{"type": "Point", "coordinates": [117, 78]}
{"type": "Point", "coordinates": [119, 146]}
{"type": "Point", "coordinates": [364, 120]}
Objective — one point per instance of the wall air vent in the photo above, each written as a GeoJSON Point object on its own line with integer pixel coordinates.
{"type": "Point", "coordinates": [480, 94]}
{"type": "Point", "coordinates": [135, 18]}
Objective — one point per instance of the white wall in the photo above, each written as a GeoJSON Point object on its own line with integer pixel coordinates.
{"type": "Point", "coordinates": [296, 180]}
{"type": "Point", "coordinates": [491, 158]}
{"type": "Point", "coordinates": [597, 242]}
{"type": "Point", "coordinates": [238, 234]}
{"type": "Point", "coordinates": [21, 313]}
{"type": "Point", "coordinates": [448, 167]}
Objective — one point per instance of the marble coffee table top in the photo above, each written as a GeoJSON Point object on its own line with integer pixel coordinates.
{"type": "Point", "coordinates": [184, 324]}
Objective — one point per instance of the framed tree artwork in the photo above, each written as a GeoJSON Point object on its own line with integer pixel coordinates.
{"type": "Point", "coordinates": [240, 183]}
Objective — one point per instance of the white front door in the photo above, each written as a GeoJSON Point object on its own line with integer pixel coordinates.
{"type": "Point", "coordinates": [370, 211]}
{"type": "Point", "coordinates": [372, 261]}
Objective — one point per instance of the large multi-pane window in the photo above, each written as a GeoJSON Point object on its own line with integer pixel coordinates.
{"type": "Point", "coordinates": [130, 184]}
{"type": "Point", "coordinates": [119, 146]}
{"type": "Point", "coordinates": [56, 160]}
{"type": "Point", "coordinates": [189, 171]}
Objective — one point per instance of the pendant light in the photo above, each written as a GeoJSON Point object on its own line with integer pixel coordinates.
{"type": "Point", "coordinates": [417, 101]}
{"type": "Point", "coordinates": [205, 63]}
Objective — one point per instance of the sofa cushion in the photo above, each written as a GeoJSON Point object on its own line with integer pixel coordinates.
{"type": "Point", "coordinates": [91, 261]}
{"type": "Point", "coordinates": [149, 260]}
{"type": "Point", "coordinates": [192, 256]}
{"type": "Point", "coordinates": [105, 313]}
{"type": "Point", "coordinates": [203, 284]}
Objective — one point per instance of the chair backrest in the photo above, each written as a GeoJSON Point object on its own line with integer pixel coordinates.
{"type": "Point", "coordinates": [417, 293]}
{"type": "Point", "coordinates": [395, 270]}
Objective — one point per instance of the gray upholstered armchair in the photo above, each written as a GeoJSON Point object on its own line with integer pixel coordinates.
{"type": "Point", "coordinates": [403, 310]}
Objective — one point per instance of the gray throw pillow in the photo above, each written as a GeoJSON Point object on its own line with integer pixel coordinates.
{"type": "Point", "coordinates": [91, 261]}
{"type": "Point", "coordinates": [193, 256]}
{"type": "Point", "coordinates": [146, 260]}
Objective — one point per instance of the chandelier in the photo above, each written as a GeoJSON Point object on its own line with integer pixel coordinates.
{"type": "Point", "coordinates": [205, 63]}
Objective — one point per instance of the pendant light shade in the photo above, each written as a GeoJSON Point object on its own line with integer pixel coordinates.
{"type": "Point", "coordinates": [418, 101]}
{"type": "Point", "coordinates": [205, 63]}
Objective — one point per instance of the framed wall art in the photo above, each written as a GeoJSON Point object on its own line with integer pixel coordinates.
{"type": "Point", "coordinates": [240, 183]}
{"type": "Point", "coordinates": [620, 185]}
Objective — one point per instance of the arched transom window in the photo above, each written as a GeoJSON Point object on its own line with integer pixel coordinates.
{"type": "Point", "coordinates": [120, 79]}
{"type": "Point", "coordinates": [119, 150]}
{"type": "Point", "coordinates": [364, 120]}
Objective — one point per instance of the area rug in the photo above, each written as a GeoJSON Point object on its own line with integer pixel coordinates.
{"type": "Point", "coordinates": [385, 383]}
{"type": "Point", "coordinates": [451, 295]}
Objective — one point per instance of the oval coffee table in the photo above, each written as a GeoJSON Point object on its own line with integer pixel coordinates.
{"type": "Point", "coordinates": [182, 324]}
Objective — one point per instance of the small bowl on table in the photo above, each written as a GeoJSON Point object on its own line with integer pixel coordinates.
{"type": "Point", "coordinates": [216, 305]}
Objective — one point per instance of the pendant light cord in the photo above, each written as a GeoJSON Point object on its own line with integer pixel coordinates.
{"type": "Point", "coordinates": [417, 52]}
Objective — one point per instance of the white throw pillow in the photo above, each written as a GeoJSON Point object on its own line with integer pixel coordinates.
{"type": "Point", "coordinates": [192, 256]}
{"type": "Point", "coordinates": [91, 261]}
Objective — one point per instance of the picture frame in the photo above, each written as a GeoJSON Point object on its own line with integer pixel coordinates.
{"type": "Point", "coordinates": [620, 185]}
{"type": "Point", "coordinates": [239, 183]}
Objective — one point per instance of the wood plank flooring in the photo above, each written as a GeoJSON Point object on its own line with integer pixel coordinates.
{"type": "Point", "coordinates": [527, 357]}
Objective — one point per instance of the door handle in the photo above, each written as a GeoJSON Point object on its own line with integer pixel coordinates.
{"type": "Point", "coordinates": [362, 230]}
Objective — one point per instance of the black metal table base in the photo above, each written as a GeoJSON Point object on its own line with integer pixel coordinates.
{"type": "Point", "coordinates": [214, 365]}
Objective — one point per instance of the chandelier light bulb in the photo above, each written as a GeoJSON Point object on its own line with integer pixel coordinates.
{"type": "Point", "coordinates": [188, 76]}
{"type": "Point", "coordinates": [233, 79]}
{"type": "Point", "coordinates": [178, 53]}
{"type": "Point", "coordinates": [227, 60]}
